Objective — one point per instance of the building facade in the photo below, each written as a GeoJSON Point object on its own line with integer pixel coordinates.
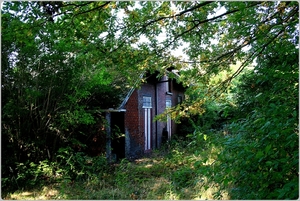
{"type": "Point", "coordinates": [135, 117]}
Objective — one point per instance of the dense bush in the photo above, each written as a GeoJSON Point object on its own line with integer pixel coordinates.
{"type": "Point", "coordinates": [50, 91]}
{"type": "Point", "coordinates": [258, 155]}
{"type": "Point", "coordinates": [70, 166]}
{"type": "Point", "coordinates": [264, 143]}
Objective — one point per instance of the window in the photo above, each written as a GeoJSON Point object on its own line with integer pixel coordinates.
{"type": "Point", "coordinates": [179, 99]}
{"type": "Point", "coordinates": [169, 87]}
{"type": "Point", "coordinates": [169, 123]}
{"type": "Point", "coordinates": [147, 102]}
{"type": "Point", "coordinates": [147, 105]}
{"type": "Point", "coordinates": [168, 103]}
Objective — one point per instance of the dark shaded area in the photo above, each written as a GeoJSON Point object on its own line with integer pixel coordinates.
{"type": "Point", "coordinates": [164, 135]}
{"type": "Point", "coordinates": [118, 135]}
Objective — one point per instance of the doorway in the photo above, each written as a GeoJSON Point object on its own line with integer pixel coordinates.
{"type": "Point", "coordinates": [118, 135]}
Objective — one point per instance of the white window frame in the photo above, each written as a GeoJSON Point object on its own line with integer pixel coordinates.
{"type": "Point", "coordinates": [147, 105]}
{"type": "Point", "coordinates": [147, 102]}
{"type": "Point", "coordinates": [169, 122]}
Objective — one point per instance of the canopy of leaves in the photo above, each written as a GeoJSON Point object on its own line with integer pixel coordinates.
{"type": "Point", "coordinates": [61, 61]}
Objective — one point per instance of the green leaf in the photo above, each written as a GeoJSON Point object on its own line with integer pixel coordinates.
{"type": "Point", "coordinates": [268, 148]}
{"type": "Point", "coordinates": [259, 155]}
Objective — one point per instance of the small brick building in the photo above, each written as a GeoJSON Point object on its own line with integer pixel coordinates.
{"type": "Point", "coordinates": [134, 117]}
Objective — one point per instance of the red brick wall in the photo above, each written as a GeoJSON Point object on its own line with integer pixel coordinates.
{"type": "Point", "coordinates": [147, 90]}
{"type": "Point", "coordinates": [132, 114]}
{"type": "Point", "coordinates": [132, 128]}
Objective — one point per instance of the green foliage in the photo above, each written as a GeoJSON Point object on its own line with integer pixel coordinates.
{"type": "Point", "coordinates": [259, 154]}
{"type": "Point", "coordinates": [70, 166]}
{"type": "Point", "coordinates": [183, 177]}
{"type": "Point", "coordinates": [62, 61]}
{"type": "Point", "coordinates": [30, 175]}
{"type": "Point", "coordinates": [77, 165]}
{"type": "Point", "coordinates": [53, 83]}
{"type": "Point", "coordinates": [268, 135]}
{"type": "Point", "coordinates": [158, 177]}
{"type": "Point", "coordinates": [122, 174]}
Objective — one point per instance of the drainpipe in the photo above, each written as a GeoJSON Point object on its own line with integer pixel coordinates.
{"type": "Point", "coordinates": [156, 122]}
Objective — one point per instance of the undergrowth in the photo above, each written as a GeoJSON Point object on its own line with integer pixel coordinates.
{"type": "Point", "coordinates": [169, 173]}
{"type": "Point", "coordinates": [203, 166]}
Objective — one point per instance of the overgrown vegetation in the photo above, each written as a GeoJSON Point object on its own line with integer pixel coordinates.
{"type": "Point", "coordinates": [62, 61]}
{"type": "Point", "coordinates": [170, 173]}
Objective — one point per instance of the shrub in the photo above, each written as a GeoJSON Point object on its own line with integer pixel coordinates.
{"type": "Point", "coordinates": [78, 165]}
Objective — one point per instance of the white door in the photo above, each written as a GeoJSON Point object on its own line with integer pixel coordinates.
{"type": "Point", "coordinates": [169, 124]}
{"type": "Point", "coordinates": [147, 106]}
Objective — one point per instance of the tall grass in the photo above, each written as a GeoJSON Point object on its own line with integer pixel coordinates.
{"type": "Point", "coordinates": [171, 173]}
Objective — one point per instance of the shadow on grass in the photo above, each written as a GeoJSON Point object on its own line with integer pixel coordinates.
{"type": "Point", "coordinates": [168, 176]}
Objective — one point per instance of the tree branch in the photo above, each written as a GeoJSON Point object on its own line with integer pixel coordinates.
{"type": "Point", "coordinates": [77, 5]}
{"type": "Point", "coordinates": [93, 9]}
{"type": "Point", "coordinates": [226, 82]}
{"type": "Point", "coordinates": [179, 14]}
{"type": "Point", "coordinates": [206, 21]}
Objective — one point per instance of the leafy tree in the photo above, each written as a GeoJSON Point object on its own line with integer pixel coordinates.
{"type": "Point", "coordinates": [218, 35]}
{"type": "Point", "coordinates": [242, 29]}
{"type": "Point", "coordinates": [52, 84]}
{"type": "Point", "coordinates": [61, 60]}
